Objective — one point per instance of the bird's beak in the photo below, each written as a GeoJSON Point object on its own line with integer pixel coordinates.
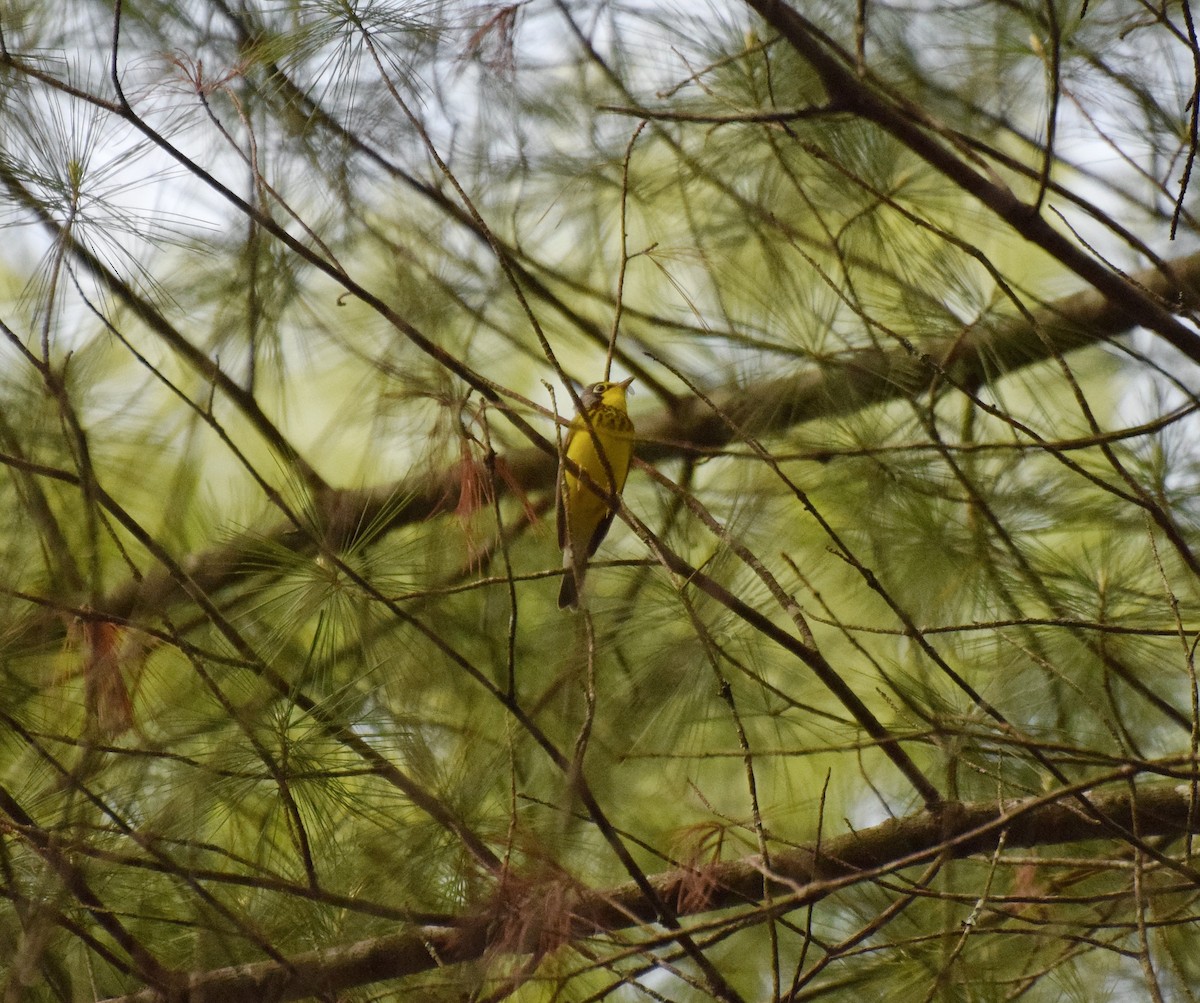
{"type": "Point", "coordinates": [624, 384]}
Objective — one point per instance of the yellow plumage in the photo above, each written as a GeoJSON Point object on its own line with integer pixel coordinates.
{"type": "Point", "coordinates": [583, 514]}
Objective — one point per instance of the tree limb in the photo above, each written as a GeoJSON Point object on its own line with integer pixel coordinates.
{"type": "Point", "coordinates": [908, 124]}
{"type": "Point", "coordinates": [797, 877]}
{"type": "Point", "coordinates": [869, 377]}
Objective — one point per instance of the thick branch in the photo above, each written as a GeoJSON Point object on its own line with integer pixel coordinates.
{"type": "Point", "coordinates": [870, 377]}
{"type": "Point", "coordinates": [798, 877]}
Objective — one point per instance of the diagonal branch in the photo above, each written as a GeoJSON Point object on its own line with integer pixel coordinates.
{"type": "Point", "coordinates": [797, 877]}
{"type": "Point", "coordinates": [907, 123]}
{"type": "Point", "coordinates": [870, 377]}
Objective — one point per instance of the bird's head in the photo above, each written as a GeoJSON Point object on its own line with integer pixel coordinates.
{"type": "Point", "coordinates": [606, 392]}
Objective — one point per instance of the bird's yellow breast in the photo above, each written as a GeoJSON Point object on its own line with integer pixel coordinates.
{"type": "Point", "coordinates": [613, 431]}
{"type": "Point", "coordinates": [611, 435]}
{"type": "Point", "coordinates": [598, 451]}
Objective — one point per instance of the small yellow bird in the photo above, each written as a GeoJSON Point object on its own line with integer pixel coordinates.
{"type": "Point", "coordinates": [584, 515]}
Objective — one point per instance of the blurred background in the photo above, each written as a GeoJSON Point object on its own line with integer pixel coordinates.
{"type": "Point", "coordinates": [291, 292]}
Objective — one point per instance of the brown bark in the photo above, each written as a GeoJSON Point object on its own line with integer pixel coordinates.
{"type": "Point", "coordinates": [796, 877]}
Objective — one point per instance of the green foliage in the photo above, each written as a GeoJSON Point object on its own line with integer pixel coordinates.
{"type": "Point", "coordinates": [281, 669]}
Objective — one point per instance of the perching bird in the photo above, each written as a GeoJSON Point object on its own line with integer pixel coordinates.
{"type": "Point", "coordinates": [584, 515]}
